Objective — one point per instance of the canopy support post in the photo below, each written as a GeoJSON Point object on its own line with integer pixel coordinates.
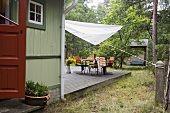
{"type": "Point", "coordinates": [63, 46]}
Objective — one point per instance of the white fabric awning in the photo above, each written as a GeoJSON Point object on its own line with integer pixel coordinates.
{"type": "Point", "coordinates": [90, 32]}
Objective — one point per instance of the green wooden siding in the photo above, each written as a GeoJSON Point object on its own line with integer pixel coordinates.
{"type": "Point", "coordinates": [45, 43]}
{"type": "Point", "coordinates": [43, 70]}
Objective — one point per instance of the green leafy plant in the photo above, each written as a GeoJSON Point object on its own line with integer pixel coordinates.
{"type": "Point", "coordinates": [36, 89]}
{"type": "Point", "coordinates": [85, 53]}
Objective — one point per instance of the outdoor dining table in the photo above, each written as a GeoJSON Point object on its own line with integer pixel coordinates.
{"type": "Point", "coordinates": [86, 66]}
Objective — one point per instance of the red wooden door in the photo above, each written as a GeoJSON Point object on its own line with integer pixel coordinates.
{"type": "Point", "coordinates": [12, 48]}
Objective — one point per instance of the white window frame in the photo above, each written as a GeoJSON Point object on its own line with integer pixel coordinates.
{"type": "Point", "coordinates": [35, 22]}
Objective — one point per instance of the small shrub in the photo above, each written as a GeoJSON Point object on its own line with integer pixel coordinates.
{"type": "Point", "coordinates": [36, 89]}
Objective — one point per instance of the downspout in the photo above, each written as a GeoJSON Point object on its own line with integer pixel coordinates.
{"type": "Point", "coordinates": [63, 46]}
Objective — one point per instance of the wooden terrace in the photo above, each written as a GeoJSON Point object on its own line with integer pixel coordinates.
{"type": "Point", "coordinates": [77, 80]}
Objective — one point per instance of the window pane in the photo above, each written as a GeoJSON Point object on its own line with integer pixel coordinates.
{"type": "Point", "coordinates": [38, 18]}
{"type": "Point", "coordinates": [32, 16]}
{"type": "Point", "coordinates": [32, 7]}
{"type": "Point", "coordinates": [38, 9]}
{"type": "Point", "coordinates": [9, 9]}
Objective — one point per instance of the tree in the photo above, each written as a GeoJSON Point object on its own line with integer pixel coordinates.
{"type": "Point", "coordinates": [134, 24]}
{"type": "Point", "coordinates": [101, 12]}
{"type": "Point", "coordinates": [163, 32]}
{"type": "Point", "coordinates": [154, 33]}
{"type": "Point", "coordinates": [136, 18]}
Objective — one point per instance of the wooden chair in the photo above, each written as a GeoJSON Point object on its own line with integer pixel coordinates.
{"type": "Point", "coordinates": [99, 65]}
{"type": "Point", "coordinates": [102, 61]}
{"type": "Point", "coordinates": [110, 62]}
{"type": "Point", "coordinates": [78, 59]}
{"type": "Point", "coordinates": [94, 65]}
{"type": "Point", "coordinates": [104, 65]}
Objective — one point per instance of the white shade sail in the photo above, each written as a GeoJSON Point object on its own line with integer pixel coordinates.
{"type": "Point", "coordinates": [90, 32]}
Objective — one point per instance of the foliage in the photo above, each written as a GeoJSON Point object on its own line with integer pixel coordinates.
{"type": "Point", "coordinates": [163, 33]}
{"type": "Point", "coordinates": [70, 60]}
{"type": "Point", "coordinates": [135, 25]}
{"type": "Point", "coordinates": [162, 55]}
{"type": "Point", "coordinates": [85, 53]}
{"type": "Point", "coordinates": [101, 12]}
{"type": "Point", "coordinates": [36, 89]}
{"type": "Point", "coordinates": [136, 17]}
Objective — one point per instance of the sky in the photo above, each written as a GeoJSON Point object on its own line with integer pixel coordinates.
{"type": "Point", "coordinates": [95, 3]}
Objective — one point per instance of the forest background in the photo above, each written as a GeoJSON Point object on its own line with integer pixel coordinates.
{"type": "Point", "coordinates": [135, 16]}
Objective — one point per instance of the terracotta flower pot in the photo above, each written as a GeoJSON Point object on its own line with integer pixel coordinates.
{"type": "Point", "coordinates": [36, 101]}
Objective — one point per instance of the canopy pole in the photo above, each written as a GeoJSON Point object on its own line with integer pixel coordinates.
{"type": "Point", "coordinates": [63, 47]}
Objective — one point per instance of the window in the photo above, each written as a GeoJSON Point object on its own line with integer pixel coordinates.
{"type": "Point", "coordinates": [36, 17]}
{"type": "Point", "coordinates": [35, 12]}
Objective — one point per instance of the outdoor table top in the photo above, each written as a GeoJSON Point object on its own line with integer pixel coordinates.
{"type": "Point", "coordinates": [91, 60]}
{"type": "Point", "coordinates": [83, 65]}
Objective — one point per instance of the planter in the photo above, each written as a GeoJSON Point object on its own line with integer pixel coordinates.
{"type": "Point", "coordinates": [68, 69]}
{"type": "Point", "coordinates": [36, 101]}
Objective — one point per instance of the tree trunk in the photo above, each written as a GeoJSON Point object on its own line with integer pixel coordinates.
{"type": "Point", "coordinates": [121, 63]}
{"type": "Point", "coordinates": [154, 32]}
{"type": "Point", "coordinates": [121, 59]}
{"type": "Point", "coordinates": [169, 60]}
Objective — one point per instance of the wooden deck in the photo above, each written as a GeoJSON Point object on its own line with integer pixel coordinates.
{"type": "Point", "coordinates": [77, 80]}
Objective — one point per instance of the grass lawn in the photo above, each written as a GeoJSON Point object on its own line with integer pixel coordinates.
{"type": "Point", "coordinates": [132, 94]}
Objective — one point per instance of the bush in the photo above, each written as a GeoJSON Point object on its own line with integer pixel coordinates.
{"type": "Point", "coordinates": [36, 89]}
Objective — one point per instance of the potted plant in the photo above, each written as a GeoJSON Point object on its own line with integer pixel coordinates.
{"type": "Point", "coordinates": [69, 61]}
{"type": "Point", "coordinates": [36, 94]}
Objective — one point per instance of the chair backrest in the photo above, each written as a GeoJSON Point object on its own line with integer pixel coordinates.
{"type": "Point", "coordinates": [99, 61]}
{"type": "Point", "coordinates": [95, 63]}
{"type": "Point", "coordinates": [78, 59]}
{"type": "Point", "coordinates": [102, 61]}
{"type": "Point", "coordinates": [112, 58]}
{"type": "Point", "coordinates": [110, 62]}
{"type": "Point", "coordinates": [90, 59]}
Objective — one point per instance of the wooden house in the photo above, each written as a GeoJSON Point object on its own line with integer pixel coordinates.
{"type": "Point", "coordinates": [30, 45]}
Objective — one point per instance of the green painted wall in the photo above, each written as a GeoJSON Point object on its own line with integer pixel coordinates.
{"type": "Point", "coordinates": [45, 43]}
{"type": "Point", "coordinates": [43, 70]}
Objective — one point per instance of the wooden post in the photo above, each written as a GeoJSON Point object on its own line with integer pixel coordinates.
{"type": "Point", "coordinates": [160, 71]}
